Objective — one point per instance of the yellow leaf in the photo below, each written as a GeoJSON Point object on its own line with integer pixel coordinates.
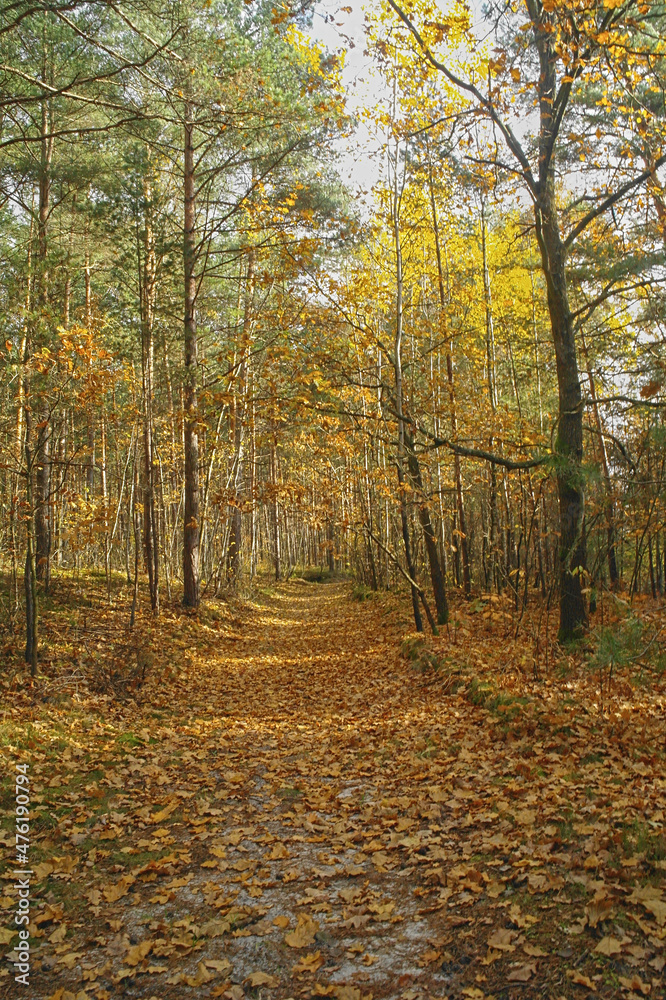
{"type": "Point", "coordinates": [138, 952]}
{"type": "Point", "coordinates": [163, 814]}
{"type": "Point", "coordinates": [58, 934]}
{"type": "Point", "coordinates": [115, 892]}
{"type": "Point", "coordinates": [70, 959]}
{"type": "Point", "coordinates": [309, 963]}
{"type": "Point", "coordinates": [219, 964]}
{"type": "Point", "coordinates": [203, 976]}
{"type": "Point", "coordinates": [304, 934]}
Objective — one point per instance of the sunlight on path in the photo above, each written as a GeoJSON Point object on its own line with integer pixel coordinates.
{"type": "Point", "coordinates": [302, 814]}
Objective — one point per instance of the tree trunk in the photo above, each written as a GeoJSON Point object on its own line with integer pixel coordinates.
{"type": "Point", "coordinates": [42, 519]}
{"type": "Point", "coordinates": [30, 573]}
{"type": "Point", "coordinates": [150, 534]}
{"type": "Point", "coordinates": [191, 437]}
{"type": "Point", "coordinates": [610, 506]}
{"type": "Point", "coordinates": [397, 367]}
{"type": "Point", "coordinates": [423, 509]}
{"type": "Point", "coordinates": [464, 549]}
{"type": "Point", "coordinates": [240, 393]}
{"type": "Point", "coordinates": [569, 441]}
{"type": "Point", "coordinates": [275, 513]}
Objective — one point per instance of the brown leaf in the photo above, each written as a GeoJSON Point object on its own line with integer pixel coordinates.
{"type": "Point", "coordinates": [138, 952]}
{"type": "Point", "coordinates": [501, 939]}
{"type": "Point", "coordinates": [220, 965]}
{"type": "Point", "coordinates": [522, 973]}
{"type": "Point", "coordinates": [114, 892]}
{"type": "Point", "coordinates": [608, 946]}
{"type": "Point", "coordinates": [279, 852]}
{"type": "Point", "coordinates": [262, 979]}
{"type": "Point", "coordinates": [304, 934]}
{"type": "Point", "coordinates": [635, 983]}
{"type": "Point", "coordinates": [581, 980]}
{"type": "Point", "coordinates": [202, 977]}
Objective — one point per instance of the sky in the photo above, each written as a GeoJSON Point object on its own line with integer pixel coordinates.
{"type": "Point", "coordinates": [362, 163]}
{"type": "Point", "coordinates": [360, 156]}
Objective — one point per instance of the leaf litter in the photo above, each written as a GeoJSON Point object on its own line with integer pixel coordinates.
{"type": "Point", "coordinates": [289, 809]}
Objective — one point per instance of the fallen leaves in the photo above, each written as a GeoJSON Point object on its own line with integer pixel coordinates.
{"type": "Point", "coordinates": [289, 816]}
{"type": "Point", "coordinates": [650, 898]}
{"type": "Point", "coordinates": [304, 934]}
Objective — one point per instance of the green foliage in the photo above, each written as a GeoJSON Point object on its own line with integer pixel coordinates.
{"type": "Point", "coordinates": [361, 592]}
{"type": "Point", "coordinates": [618, 646]}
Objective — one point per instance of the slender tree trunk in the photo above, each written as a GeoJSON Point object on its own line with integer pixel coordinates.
{"type": "Point", "coordinates": [610, 506]}
{"type": "Point", "coordinates": [30, 574]}
{"type": "Point", "coordinates": [150, 533]}
{"type": "Point", "coordinates": [397, 366]}
{"type": "Point", "coordinates": [136, 533]}
{"type": "Point", "coordinates": [235, 540]}
{"type": "Point", "coordinates": [464, 550]}
{"type": "Point", "coordinates": [493, 526]}
{"type": "Point", "coordinates": [191, 438]}
{"type": "Point", "coordinates": [105, 502]}
{"type": "Point", "coordinates": [275, 512]}
{"type": "Point", "coordinates": [436, 575]}
{"type": "Point", "coordinates": [42, 510]}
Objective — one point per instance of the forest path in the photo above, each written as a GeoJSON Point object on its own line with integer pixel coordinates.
{"type": "Point", "coordinates": [299, 813]}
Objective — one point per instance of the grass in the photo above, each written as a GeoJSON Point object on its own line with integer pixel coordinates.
{"type": "Point", "coordinates": [640, 839]}
{"type": "Point", "coordinates": [289, 793]}
{"type": "Point", "coordinates": [565, 827]}
{"type": "Point", "coordinates": [130, 740]}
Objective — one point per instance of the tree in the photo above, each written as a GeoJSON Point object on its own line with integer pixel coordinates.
{"type": "Point", "coordinates": [563, 50]}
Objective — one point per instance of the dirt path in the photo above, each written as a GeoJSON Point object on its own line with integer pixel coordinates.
{"type": "Point", "coordinates": [297, 812]}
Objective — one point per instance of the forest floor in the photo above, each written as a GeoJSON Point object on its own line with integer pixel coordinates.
{"type": "Point", "coordinates": [290, 800]}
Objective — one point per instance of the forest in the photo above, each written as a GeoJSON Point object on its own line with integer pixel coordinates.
{"type": "Point", "coordinates": [332, 467]}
